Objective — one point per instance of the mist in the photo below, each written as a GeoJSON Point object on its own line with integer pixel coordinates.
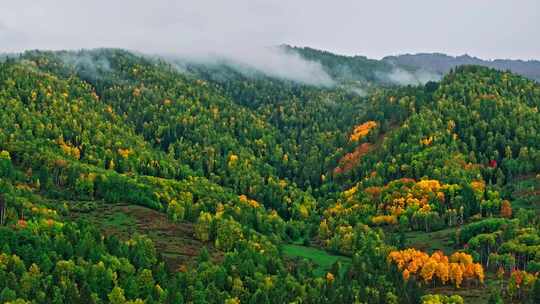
{"type": "Point", "coordinates": [242, 33]}
{"type": "Point", "coordinates": [403, 77]}
{"type": "Point", "coordinates": [87, 64]}
{"type": "Point", "coordinates": [358, 91]}
{"type": "Point", "coordinates": [272, 61]}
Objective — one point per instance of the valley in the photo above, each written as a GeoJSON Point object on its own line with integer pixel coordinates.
{"type": "Point", "coordinates": [131, 178]}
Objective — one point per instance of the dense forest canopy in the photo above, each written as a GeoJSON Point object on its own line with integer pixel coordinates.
{"type": "Point", "coordinates": [391, 185]}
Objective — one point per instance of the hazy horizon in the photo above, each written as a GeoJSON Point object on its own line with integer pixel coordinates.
{"type": "Point", "coordinates": [495, 29]}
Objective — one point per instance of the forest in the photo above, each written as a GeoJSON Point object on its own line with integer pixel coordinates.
{"type": "Point", "coordinates": [126, 178]}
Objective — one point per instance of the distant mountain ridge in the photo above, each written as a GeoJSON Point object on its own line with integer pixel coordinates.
{"type": "Point", "coordinates": [442, 63]}
{"type": "Point", "coordinates": [364, 72]}
{"type": "Point", "coordinates": [407, 68]}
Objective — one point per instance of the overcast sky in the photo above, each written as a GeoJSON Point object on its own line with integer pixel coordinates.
{"type": "Point", "coordinates": [484, 28]}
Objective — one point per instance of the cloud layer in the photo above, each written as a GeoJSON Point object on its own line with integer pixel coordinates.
{"type": "Point", "coordinates": [403, 77]}
{"type": "Point", "coordinates": [272, 61]}
{"type": "Point", "coordinates": [242, 31]}
{"type": "Point", "coordinates": [485, 28]}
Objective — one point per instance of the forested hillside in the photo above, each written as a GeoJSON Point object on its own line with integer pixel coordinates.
{"type": "Point", "coordinates": [134, 179]}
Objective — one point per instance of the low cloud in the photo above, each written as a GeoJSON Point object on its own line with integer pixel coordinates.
{"type": "Point", "coordinates": [271, 61]}
{"type": "Point", "coordinates": [358, 91]}
{"type": "Point", "coordinates": [401, 76]}
{"type": "Point", "coordinates": [86, 63]}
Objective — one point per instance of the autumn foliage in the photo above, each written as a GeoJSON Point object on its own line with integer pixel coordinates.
{"type": "Point", "coordinates": [250, 202]}
{"type": "Point", "coordinates": [406, 193]}
{"type": "Point", "coordinates": [478, 185]}
{"type": "Point", "coordinates": [454, 269]}
{"type": "Point", "coordinates": [362, 130]}
{"type": "Point", "coordinates": [520, 282]}
{"type": "Point", "coordinates": [506, 209]}
{"type": "Point", "coordinates": [350, 160]}
{"type": "Point", "coordinates": [384, 220]}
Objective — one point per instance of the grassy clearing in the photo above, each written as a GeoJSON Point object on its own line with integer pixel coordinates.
{"type": "Point", "coordinates": [176, 242]}
{"type": "Point", "coordinates": [322, 259]}
{"type": "Point", "coordinates": [119, 221]}
{"type": "Point", "coordinates": [431, 241]}
{"type": "Point", "coordinates": [477, 294]}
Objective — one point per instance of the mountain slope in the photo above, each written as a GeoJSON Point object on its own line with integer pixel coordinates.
{"type": "Point", "coordinates": [260, 170]}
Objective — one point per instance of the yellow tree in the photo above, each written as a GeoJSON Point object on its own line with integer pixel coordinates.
{"type": "Point", "coordinates": [456, 274]}
{"type": "Point", "coordinates": [203, 226]}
